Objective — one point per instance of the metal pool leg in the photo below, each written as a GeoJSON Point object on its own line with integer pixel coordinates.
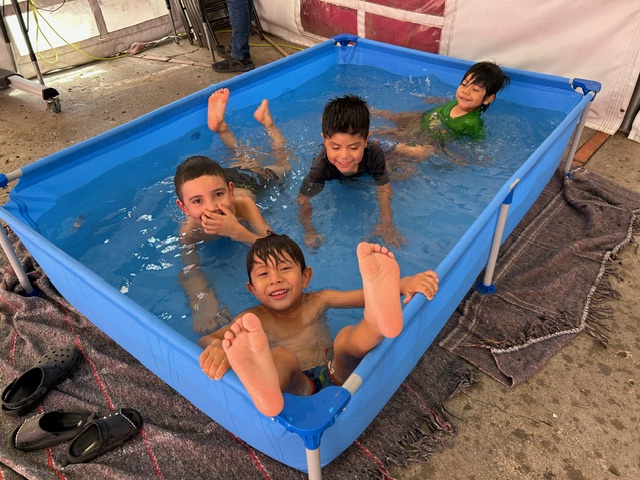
{"type": "Point", "coordinates": [296, 417]}
{"type": "Point", "coordinates": [314, 467]}
{"type": "Point", "coordinates": [576, 139]}
{"type": "Point", "coordinates": [6, 243]}
{"type": "Point", "coordinates": [486, 286]}
{"type": "Point", "coordinates": [588, 87]}
{"type": "Point", "coordinates": [15, 263]}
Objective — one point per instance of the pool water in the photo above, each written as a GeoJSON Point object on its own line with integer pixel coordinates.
{"type": "Point", "coordinates": [124, 224]}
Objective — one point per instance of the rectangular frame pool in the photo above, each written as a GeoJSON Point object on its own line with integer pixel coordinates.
{"type": "Point", "coordinates": [175, 359]}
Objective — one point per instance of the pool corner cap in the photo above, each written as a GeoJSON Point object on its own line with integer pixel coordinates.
{"type": "Point", "coordinates": [327, 404]}
{"type": "Point", "coordinates": [345, 40]}
{"type": "Point", "coordinates": [587, 86]}
{"type": "Point", "coordinates": [486, 289]}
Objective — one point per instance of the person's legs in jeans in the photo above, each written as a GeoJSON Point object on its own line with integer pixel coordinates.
{"type": "Point", "coordinates": [240, 59]}
{"type": "Point", "coordinates": [240, 16]}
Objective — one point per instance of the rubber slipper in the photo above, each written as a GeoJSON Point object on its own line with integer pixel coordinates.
{"type": "Point", "coordinates": [53, 367]}
{"type": "Point", "coordinates": [51, 428]}
{"type": "Point", "coordinates": [102, 435]}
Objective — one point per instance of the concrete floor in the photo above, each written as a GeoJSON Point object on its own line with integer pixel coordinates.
{"type": "Point", "coordinates": [579, 418]}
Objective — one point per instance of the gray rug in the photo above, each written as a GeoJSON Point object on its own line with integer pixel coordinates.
{"type": "Point", "coordinates": [553, 274]}
{"type": "Point", "coordinates": [178, 441]}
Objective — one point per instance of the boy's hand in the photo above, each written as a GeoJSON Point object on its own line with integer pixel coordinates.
{"type": "Point", "coordinates": [225, 224]}
{"type": "Point", "coordinates": [389, 235]}
{"type": "Point", "coordinates": [213, 360]}
{"type": "Point", "coordinates": [425, 283]}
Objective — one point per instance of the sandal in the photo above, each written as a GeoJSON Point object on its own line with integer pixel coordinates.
{"type": "Point", "coordinates": [53, 367]}
{"type": "Point", "coordinates": [48, 429]}
{"type": "Point", "coordinates": [102, 435]}
{"type": "Point", "coordinates": [233, 65]}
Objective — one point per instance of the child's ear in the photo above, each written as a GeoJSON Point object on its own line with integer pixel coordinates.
{"type": "Point", "coordinates": [182, 206]}
{"type": "Point", "coordinates": [251, 288]}
{"type": "Point", "coordinates": [489, 99]}
{"type": "Point", "coordinates": [231, 187]}
{"type": "Point", "coordinates": [306, 277]}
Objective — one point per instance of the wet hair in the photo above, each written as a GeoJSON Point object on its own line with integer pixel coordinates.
{"type": "Point", "coordinates": [195, 167]}
{"type": "Point", "coordinates": [489, 76]}
{"type": "Point", "coordinates": [273, 247]}
{"type": "Point", "coordinates": [347, 114]}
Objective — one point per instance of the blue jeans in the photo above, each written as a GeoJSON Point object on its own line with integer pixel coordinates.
{"type": "Point", "coordinates": [240, 16]}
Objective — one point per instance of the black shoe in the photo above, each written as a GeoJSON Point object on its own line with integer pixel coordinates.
{"type": "Point", "coordinates": [102, 435]}
{"type": "Point", "coordinates": [232, 65]}
{"type": "Point", "coordinates": [53, 367]}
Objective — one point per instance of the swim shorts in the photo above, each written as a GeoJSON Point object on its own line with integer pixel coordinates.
{"type": "Point", "coordinates": [255, 181]}
{"type": "Point", "coordinates": [322, 375]}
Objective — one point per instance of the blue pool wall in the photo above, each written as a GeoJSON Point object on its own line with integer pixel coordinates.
{"type": "Point", "coordinates": [175, 359]}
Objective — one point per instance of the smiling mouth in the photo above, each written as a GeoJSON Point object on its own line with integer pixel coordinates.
{"type": "Point", "coordinates": [278, 293]}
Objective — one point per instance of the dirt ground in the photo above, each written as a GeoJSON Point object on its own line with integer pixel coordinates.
{"type": "Point", "coordinates": [578, 419]}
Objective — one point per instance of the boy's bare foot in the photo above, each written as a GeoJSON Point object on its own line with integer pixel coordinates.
{"type": "Point", "coordinates": [248, 352]}
{"type": "Point", "coordinates": [217, 107]}
{"type": "Point", "coordinates": [381, 285]}
{"type": "Point", "coordinates": [263, 115]}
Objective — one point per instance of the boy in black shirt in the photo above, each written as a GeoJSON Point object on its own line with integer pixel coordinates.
{"type": "Point", "coordinates": [347, 154]}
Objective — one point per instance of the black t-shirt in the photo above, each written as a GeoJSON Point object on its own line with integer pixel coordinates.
{"type": "Point", "coordinates": [321, 170]}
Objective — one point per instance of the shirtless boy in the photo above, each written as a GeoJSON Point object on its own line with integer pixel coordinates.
{"type": "Point", "coordinates": [284, 344]}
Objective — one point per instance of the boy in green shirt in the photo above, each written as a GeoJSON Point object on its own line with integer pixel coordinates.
{"type": "Point", "coordinates": [460, 117]}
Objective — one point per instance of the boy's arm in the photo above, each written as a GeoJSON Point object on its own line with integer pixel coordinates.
{"type": "Point", "coordinates": [385, 228]}
{"type": "Point", "coordinates": [312, 238]}
{"type": "Point", "coordinates": [424, 282]}
{"type": "Point", "coordinates": [205, 308]}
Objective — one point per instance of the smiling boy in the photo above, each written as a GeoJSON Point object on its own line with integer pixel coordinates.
{"type": "Point", "coordinates": [284, 343]}
{"type": "Point", "coordinates": [346, 154]}
{"type": "Point", "coordinates": [418, 132]}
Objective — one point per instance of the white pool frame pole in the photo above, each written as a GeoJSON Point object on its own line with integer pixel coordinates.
{"type": "Point", "coordinates": [314, 467]}
{"type": "Point", "coordinates": [486, 286]}
{"type": "Point", "coordinates": [9, 251]}
{"type": "Point", "coordinates": [576, 139]}
{"type": "Point", "coordinates": [15, 262]}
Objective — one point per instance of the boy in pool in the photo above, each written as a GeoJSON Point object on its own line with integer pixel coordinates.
{"type": "Point", "coordinates": [221, 202]}
{"type": "Point", "coordinates": [284, 344]}
{"type": "Point", "coordinates": [346, 155]}
{"type": "Point", "coordinates": [417, 132]}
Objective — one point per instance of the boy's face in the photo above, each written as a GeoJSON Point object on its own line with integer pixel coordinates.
{"type": "Point", "coordinates": [205, 193]}
{"type": "Point", "coordinates": [471, 95]}
{"type": "Point", "coordinates": [278, 286]}
{"type": "Point", "coordinates": [345, 151]}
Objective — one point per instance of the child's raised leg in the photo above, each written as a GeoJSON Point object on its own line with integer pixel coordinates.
{"type": "Point", "coordinates": [215, 117]}
{"type": "Point", "coordinates": [278, 142]}
{"type": "Point", "coordinates": [382, 310]}
{"type": "Point", "coordinates": [265, 373]}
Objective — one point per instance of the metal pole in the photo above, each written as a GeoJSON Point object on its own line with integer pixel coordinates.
{"type": "Point", "coordinates": [486, 286]}
{"type": "Point", "coordinates": [314, 468]}
{"type": "Point", "coordinates": [25, 33]}
{"type": "Point", "coordinates": [173, 24]}
{"type": "Point", "coordinates": [576, 139]}
{"type": "Point", "coordinates": [15, 262]}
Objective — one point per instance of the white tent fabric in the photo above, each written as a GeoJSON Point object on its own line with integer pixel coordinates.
{"type": "Point", "coordinates": [588, 39]}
